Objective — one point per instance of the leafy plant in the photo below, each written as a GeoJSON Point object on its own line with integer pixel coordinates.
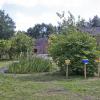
{"type": "Point", "coordinates": [30, 64]}
{"type": "Point", "coordinates": [74, 46]}
{"type": "Point", "coordinates": [13, 47]}
{"type": "Point", "coordinates": [21, 43]}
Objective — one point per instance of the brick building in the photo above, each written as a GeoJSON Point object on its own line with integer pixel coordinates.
{"type": "Point", "coordinates": [41, 46]}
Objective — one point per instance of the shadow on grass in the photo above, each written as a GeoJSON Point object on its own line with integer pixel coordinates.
{"type": "Point", "coordinates": [45, 77]}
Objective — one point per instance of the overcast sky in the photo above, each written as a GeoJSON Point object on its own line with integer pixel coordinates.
{"type": "Point", "coordinates": [27, 13]}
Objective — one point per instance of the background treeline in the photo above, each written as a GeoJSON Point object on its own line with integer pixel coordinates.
{"type": "Point", "coordinates": [7, 25]}
{"type": "Point", "coordinates": [12, 43]}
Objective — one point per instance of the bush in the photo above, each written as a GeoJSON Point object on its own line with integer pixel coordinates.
{"type": "Point", "coordinates": [20, 43]}
{"type": "Point", "coordinates": [74, 46]}
{"type": "Point", "coordinates": [30, 65]}
{"type": "Point", "coordinates": [12, 48]}
{"type": "Point", "coordinates": [4, 49]}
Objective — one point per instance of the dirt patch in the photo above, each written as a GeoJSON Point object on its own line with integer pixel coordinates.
{"type": "Point", "coordinates": [90, 98]}
{"type": "Point", "coordinates": [87, 97]}
{"type": "Point", "coordinates": [3, 70]}
{"type": "Point", "coordinates": [57, 90]}
{"type": "Point", "coordinates": [52, 91]}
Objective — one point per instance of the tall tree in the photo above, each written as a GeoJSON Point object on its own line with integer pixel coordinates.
{"type": "Point", "coordinates": [66, 23]}
{"type": "Point", "coordinates": [96, 21]}
{"type": "Point", "coordinates": [41, 30]}
{"type": "Point", "coordinates": [81, 22]}
{"type": "Point", "coordinates": [7, 25]}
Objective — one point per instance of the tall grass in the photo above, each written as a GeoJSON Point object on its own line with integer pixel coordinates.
{"type": "Point", "coordinates": [30, 65]}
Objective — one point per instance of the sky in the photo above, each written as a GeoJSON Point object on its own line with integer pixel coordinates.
{"type": "Point", "coordinates": [27, 13]}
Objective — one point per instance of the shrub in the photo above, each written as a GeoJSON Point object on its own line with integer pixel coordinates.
{"type": "Point", "coordinates": [74, 46]}
{"type": "Point", "coordinates": [30, 65]}
{"type": "Point", "coordinates": [21, 43]}
{"type": "Point", "coordinates": [4, 49]}
{"type": "Point", "coordinates": [12, 48]}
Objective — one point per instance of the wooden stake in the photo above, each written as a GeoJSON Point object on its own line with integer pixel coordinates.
{"type": "Point", "coordinates": [85, 71]}
{"type": "Point", "coordinates": [98, 69]}
{"type": "Point", "coordinates": [67, 71]}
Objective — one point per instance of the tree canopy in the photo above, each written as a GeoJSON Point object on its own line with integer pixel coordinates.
{"type": "Point", "coordinates": [7, 25]}
{"type": "Point", "coordinates": [14, 46]}
{"type": "Point", "coordinates": [95, 21]}
{"type": "Point", "coordinates": [41, 30]}
{"type": "Point", "coordinates": [21, 43]}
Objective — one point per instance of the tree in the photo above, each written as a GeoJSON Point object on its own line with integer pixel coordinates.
{"type": "Point", "coordinates": [41, 30]}
{"type": "Point", "coordinates": [67, 24]}
{"type": "Point", "coordinates": [7, 26]}
{"type": "Point", "coordinates": [81, 23]}
{"type": "Point", "coordinates": [74, 46]}
{"type": "Point", "coordinates": [21, 43]}
{"type": "Point", "coordinates": [96, 21]}
{"type": "Point", "coordinates": [13, 47]}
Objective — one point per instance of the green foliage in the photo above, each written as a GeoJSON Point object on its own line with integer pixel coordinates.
{"type": "Point", "coordinates": [41, 30]}
{"type": "Point", "coordinates": [97, 52]}
{"type": "Point", "coordinates": [21, 43]}
{"type": "Point", "coordinates": [30, 64]}
{"type": "Point", "coordinates": [67, 25]}
{"type": "Point", "coordinates": [74, 46]}
{"type": "Point", "coordinates": [13, 47]}
{"type": "Point", "coordinates": [4, 48]}
{"type": "Point", "coordinates": [7, 26]}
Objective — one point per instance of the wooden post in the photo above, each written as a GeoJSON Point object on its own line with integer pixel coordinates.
{"type": "Point", "coordinates": [85, 71]}
{"type": "Point", "coordinates": [67, 62]}
{"type": "Point", "coordinates": [67, 71]}
{"type": "Point", "coordinates": [98, 69]}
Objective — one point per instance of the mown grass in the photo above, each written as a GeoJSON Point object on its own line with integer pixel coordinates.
{"type": "Point", "coordinates": [48, 86]}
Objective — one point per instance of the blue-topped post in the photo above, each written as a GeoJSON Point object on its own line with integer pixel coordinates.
{"type": "Point", "coordinates": [85, 61]}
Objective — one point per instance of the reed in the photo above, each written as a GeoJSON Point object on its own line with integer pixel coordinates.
{"type": "Point", "coordinates": [30, 64]}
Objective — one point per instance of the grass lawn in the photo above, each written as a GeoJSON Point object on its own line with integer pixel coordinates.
{"type": "Point", "coordinates": [46, 86]}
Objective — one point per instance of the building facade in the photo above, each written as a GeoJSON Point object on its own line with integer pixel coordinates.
{"type": "Point", "coordinates": [41, 46]}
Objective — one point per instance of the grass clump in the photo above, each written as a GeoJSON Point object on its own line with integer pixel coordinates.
{"type": "Point", "coordinates": [30, 65]}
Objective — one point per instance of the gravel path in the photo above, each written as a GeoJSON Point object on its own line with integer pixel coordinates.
{"type": "Point", "coordinates": [3, 69]}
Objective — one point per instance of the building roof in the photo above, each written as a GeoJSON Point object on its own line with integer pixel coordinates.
{"type": "Point", "coordinates": [93, 30]}
{"type": "Point", "coordinates": [41, 41]}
